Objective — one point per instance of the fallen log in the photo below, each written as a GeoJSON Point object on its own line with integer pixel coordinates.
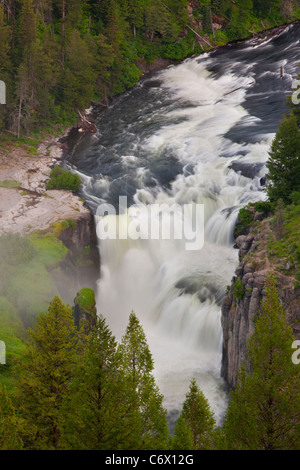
{"type": "Point", "coordinates": [85, 126]}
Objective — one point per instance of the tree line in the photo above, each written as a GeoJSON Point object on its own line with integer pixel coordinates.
{"type": "Point", "coordinates": [77, 388]}
{"type": "Point", "coordinates": [56, 56]}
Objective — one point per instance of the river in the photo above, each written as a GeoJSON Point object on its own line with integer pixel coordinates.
{"type": "Point", "coordinates": [195, 133]}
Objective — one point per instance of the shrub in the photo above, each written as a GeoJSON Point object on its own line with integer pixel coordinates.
{"type": "Point", "coordinates": [245, 217]}
{"type": "Point", "coordinates": [238, 290]}
{"type": "Point", "coordinates": [63, 179]}
{"type": "Point", "coordinates": [264, 206]}
{"type": "Point", "coordinates": [295, 197]}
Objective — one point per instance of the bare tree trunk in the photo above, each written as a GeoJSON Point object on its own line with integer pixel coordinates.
{"type": "Point", "coordinates": [63, 32]}
{"type": "Point", "coordinates": [19, 117]}
{"type": "Point", "coordinates": [212, 25]}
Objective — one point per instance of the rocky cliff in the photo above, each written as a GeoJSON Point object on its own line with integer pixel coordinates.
{"type": "Point", "coordinates": [260, 251]}
{"type": "Point", "coordinates": [53, 229]}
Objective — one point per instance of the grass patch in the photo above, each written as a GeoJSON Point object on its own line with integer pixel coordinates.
{"type": "Point", "coordinates": [63, 179]}
{"type": "Point", "coordinates": [238, 290]}
{"type": "Point", "coordinates": [9, 184]}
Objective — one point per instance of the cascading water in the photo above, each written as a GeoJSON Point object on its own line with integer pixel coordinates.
{"type": "Point", "coordinates": [195, 133]}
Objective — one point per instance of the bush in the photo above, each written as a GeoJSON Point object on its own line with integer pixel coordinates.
{"type": "Point", "coordinates": [264, 206]}
{"type": "Point", "coordinates": [238, 290]}
{"type": "Point", "coordinates": [295, 198]}
{"type": "Point", "coordinates": [63, 179]}
{"type": "Point", "coordinates": [245, 217]}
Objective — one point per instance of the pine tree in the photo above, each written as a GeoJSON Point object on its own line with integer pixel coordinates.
{"type": "Point", "coordinates": [200, 419]}
{"type": "Point", "coordinates": [264, 411]}
{"type": "Point", "coordinates": [240, 22]}
{"type": "Point", "coordinates": [5, 64]}
{"type": "Point", "coordinates": [79, 75]}
{"type": "Point", "coordinates": [10, 424]}
{"type": "Point", "coordinates": [284, 162]}
{"type": "Point", "coordinates": [138, 365]}
{"type": "Point", "coordinates": [27, 26]}
{"type": "Point", "coordinates": [183, 435]}
{"type": "Point", "coordinates": [44, 374]}
{"type": "Point", "coordinates": [100, 410]}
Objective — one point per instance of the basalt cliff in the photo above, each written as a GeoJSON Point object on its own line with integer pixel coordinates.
{"type": "Point", "coordinates": [261, 250]}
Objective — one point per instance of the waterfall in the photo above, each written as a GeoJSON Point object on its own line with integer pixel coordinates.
{"type": "Point", "coordinates": [199, 134]}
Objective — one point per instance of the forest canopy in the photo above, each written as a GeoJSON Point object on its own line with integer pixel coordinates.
{"type": "Point", "coordinates": [58, 56]}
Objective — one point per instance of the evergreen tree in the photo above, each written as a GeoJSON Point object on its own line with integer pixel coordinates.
{"type": "Point", "coordinates": [36, 78]}
{"type": "Point", "coordinates": [5, 65]}
{"type": "Point", "coordinates": [199, 418]}
{"type": "Point", "coordinates": [240, 20]}
{"type": "Point", "coordinates": [10, 424]}
{"type": "Point", "coordinates": [100, 410]}
{"type": "Point", "coordinates": [284, 161]}
{"type": "Point", "coordinates": [183, 435]}
{"type": "Point", "coordinates": [27, 26]}
{"type": "Point", "coordinates": [44, 374]}
{"type": "Point", "coordinates": [264, 411]}
{"type": "Point", "coordinates": [79, 75]}
{"type": "Point", "coordinates": [138, 366]}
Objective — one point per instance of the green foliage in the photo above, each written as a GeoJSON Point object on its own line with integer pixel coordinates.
{"type": "Point", "coordinates": [295, 198]}
{"type": "Point", "coordinates": [100, 411]}
{"type": "Point", "coordinates": [284, 162]}
{"type": "Point", "coordinates": [138, 366]}
{"type": "Point", "coordinates": [194, 429]}
{"type": "Point", "coordinates": [45, 372]}
{"type": "Point", "coordinates": [238, 290]}
{"type": "Point", "coordinates": [183, 435]}
{"type": "Point", "coordinates": [10, 423]}
{"type": "Point", "coordinates": [40, 44]}
{"type": "Point", "coordinates": [63, 179]}
{"type": "Point", "coordinates": [264, 411]}
{"type": "Point", "coordinates": [264, 206]}
{"type": "Point", "coordinates": [245, 216]}
{"type": "Point", "coordinates": [9, 184]}
{"type": "Point", "coordinates": [27, 270]}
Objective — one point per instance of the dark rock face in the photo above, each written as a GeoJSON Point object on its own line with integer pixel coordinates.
{"type": "Point", "coordinates": [238, 313]}
{"type": "Point", "coordinates": [84, 311]}
{"type": "Point", "coordinates": [82, 264]}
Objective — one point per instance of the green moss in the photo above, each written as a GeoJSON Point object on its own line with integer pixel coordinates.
{"type": "Point", "coordinates": [63, 179]}
{"type": "Point", "coordinates": [245, 216]}
{"type": "Point", "coordinates": [9, 184]}
{"type": "Point", "coordinates": [49, 251]}
{"type": "Point", "coordinates": [12, 333]}
{"type": "Point", "coordinates": [238, 290]}
{"type": "Point", "coordinates": [85, 299]}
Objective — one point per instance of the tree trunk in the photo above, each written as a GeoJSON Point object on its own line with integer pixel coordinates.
{"type": "Point", "coordinates": [63, 33]}
{"type": "Point", "coordinates": [19, 117]}
{"type": "Point", "coordinates": [212, 26]}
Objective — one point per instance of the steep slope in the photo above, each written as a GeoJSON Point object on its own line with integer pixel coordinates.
{"type": "Point", "coordinates": [271, 244]}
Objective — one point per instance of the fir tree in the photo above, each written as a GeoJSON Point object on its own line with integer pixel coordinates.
{"type": "Point", "coordinates": [138, 366]}
{"type": "Point", "coordinates": [44, 374]}
{"type": "Point", "coordinates": [199, 418]}
{"type": "Point", "coordinates": [10, 424]}
{"type": "Point", "coordinates": [100, 410]}
{"type": "Point", "coordinates": [27, 25]}
{"type": "Point", "coordinates": [284, 161]}
{"type": "Point", "coordinates": [183, 435]}
{"type": "Point", "coordinates": [264, 411]}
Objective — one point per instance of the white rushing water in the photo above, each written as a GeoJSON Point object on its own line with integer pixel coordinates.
{"type": "Point", "coordinates": [185, 140]}
{"type": "Point", "coordinates": [174, 291]}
